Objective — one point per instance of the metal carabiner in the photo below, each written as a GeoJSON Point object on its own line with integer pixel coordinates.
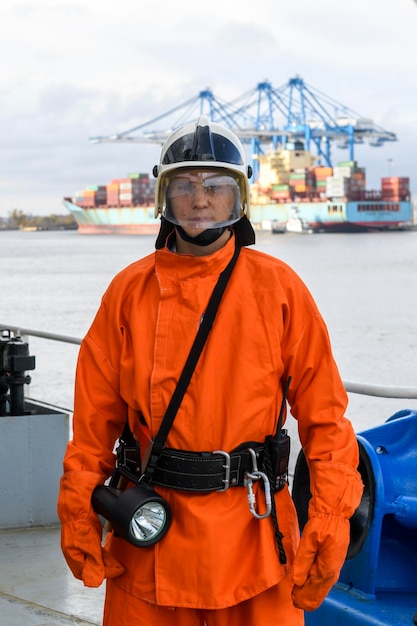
{"type": "Point", "coordinates": [256, 475]}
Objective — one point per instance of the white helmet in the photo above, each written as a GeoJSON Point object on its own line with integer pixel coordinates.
{"type": "Point", "coordinates": [203, 145]}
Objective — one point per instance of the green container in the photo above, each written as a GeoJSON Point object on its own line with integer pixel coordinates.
{"type": "Point", "coordinates": [280, 187]}
{"type": "Point", "coordinates": [352, 164]}
{"type": "Point", "coordinates": [139, 175]}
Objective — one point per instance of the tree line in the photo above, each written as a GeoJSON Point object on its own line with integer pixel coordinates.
{"type": "Point", "coordinates": [19, 220]}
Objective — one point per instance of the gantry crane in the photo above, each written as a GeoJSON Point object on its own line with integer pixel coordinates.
{"type": "Point", "coordinates": [266, 117]}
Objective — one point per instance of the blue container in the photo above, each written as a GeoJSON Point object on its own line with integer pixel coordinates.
{"type": "Point", "coordinates": [378, 582]}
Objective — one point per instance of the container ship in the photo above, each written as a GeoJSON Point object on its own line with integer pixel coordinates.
{"type": "Point", "coordinates": [290, 190]}
{"type": "Point", "coordinates": [125, 206]}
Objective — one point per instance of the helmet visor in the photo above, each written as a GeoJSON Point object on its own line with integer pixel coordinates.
{"type": "Point", "coordinates": [202, 199]}
{"type": "Point", "coordinates": [202, 145]}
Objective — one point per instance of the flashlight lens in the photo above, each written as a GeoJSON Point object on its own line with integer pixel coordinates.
{"type": "Point", "coordinates": [148, 521]}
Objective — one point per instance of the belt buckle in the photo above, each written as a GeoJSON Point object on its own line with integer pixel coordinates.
{"type": "Point", "coordinates": [226, 479]}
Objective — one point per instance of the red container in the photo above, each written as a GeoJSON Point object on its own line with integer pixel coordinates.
{"type": "Point", "coordinates": [280, 195]}
{"type": "Point", "coordinates": [88, 202]}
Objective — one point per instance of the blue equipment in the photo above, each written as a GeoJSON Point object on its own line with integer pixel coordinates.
{"type": "Point", "coordinates": [378, 582]}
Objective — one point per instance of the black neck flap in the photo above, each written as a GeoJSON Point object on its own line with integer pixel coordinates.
{"type": "Point", "coordinates": [243, 229]}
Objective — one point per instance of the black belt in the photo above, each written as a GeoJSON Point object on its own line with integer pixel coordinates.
{"type": "Point", "coordinates": [208, 471]}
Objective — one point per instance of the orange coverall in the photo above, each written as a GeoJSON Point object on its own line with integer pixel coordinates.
{"type": "Point", "coordinates": [216, 554]}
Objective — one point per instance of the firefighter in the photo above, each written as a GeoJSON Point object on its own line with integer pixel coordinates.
{"type": "Point", "coordinates": [233, 552]}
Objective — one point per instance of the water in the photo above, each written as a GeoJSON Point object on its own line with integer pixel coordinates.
{"type": "Point", "coordinates": [364, 284]}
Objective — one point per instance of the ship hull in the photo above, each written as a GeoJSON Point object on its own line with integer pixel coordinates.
{"type": "Point", "coordinates": [336, 215]}
{"type": "Point", "coordinates": [330, 216]}
{"type": "Point", "coordinates": [138, 220]}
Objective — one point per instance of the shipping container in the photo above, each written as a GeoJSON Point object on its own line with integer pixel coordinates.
{"type": "Point", "coordinates": [352, 164]}
{"type": "Point", "coordinates": [343, 171]}
{"type": "Point", "coordinates": [321, 172]}
{"type": "Point", "coordinates": [280, 187]}
{"type": "Point", "coordinates": [138, 175]}
{"type": "Point", "coordinates": [395, 183]}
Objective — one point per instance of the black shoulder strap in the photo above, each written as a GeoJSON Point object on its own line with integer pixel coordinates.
{"type": "Point", "coordinates": [187, 372]}
{"type": "Point", "coordinates": [282, 409]}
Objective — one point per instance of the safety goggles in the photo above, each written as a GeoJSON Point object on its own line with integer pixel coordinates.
{"type": "Point", "coordinates": [188, 185]}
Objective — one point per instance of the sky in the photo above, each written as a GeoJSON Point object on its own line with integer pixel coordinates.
{"type": "Point", "coordinates": [74, 69]}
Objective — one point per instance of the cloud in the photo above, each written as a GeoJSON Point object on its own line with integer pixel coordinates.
{"type": "Point", "coordinates": [71, 70]}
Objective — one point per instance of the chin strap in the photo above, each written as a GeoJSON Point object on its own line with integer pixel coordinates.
{"type": "Point", "coordinates": [244, 233]}
{"type": "Point", "coordinates": [203, 239]}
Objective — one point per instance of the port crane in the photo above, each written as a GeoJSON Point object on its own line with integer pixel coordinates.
{"type": "Point", "coordinates": [266, 117]}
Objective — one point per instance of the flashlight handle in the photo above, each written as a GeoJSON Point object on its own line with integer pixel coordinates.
{"type": "Point", "coordinates": [107, 527]}
{"type": "Point", "coordinates": [103, 500]}
{"type": "Point", "coordinates": [118, 481]}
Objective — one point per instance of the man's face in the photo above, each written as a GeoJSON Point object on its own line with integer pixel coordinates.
{"type": "Point", "coordinates": [200, 199]}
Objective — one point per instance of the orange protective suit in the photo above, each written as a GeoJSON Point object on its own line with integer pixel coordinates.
{"type": "Point", "coordinates": [216, 554]}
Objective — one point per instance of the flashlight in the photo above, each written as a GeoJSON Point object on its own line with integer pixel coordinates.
{"type": "Point", "coordinates": [139, 515]}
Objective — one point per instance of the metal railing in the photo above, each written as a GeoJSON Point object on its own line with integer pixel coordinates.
{"type": "Point", "coordinates": [366, 389]}
{"type": "Point", "coordinates": [20, 331]}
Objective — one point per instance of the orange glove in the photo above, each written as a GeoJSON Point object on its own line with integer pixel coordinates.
{"type": "Point", "coordinates": [336, 492]}
{"type": "Point", "coordinates": [87, 559]}
{"type": "Point", "coordinates": [81, 531]}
